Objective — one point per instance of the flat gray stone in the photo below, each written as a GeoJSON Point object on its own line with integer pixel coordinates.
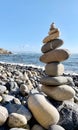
{"type": "Point", "coordinates": [52, 45]}
{"type": "Point", "coordinates": [54, 80]}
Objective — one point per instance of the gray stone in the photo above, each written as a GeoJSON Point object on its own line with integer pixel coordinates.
{"type": "Point", "coordinates": [24, 89]}
{"type": "Point", "coordinates": [18, 108]}
{"type": "Point", "coordinates": [68, 115]}
{"type": "Point", "coordinates": [37, 127]}
{"type": "Point", "coordinates": [52, 45]}
{"type": "Point", "coordinates": [54, 69]}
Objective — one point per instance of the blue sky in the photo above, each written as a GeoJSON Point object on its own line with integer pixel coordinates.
{"type": "Point", "coordinates": [24, 23]}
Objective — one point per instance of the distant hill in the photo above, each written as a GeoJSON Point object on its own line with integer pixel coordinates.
{"type": "Point", "coordinates": [3, 51]}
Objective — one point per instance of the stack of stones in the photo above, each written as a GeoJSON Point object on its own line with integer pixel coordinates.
{"type": "Point", "coordinates": [55, 84]}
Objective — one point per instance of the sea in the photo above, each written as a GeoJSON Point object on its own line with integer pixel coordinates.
{"type": "Point", "coordinates": [32, 59]}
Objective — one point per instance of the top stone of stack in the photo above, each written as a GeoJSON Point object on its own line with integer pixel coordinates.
{"type": "Point", "coordinates": [53, 34]}
{"type": "Point", "coordinates": [52, 29]}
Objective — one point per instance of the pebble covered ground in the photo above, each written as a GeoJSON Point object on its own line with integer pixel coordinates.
{"type": "Point", "coordinates": [16, 82]}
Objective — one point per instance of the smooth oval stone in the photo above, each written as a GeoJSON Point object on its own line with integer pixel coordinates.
{"type": "Point", "coordinates": [54, 69]}
{"type": "Point", "coordinates": [51, 37]}
{"type": "Point", "coordinates": [16, 120]}
{"type": "Point", "coordinates": [37, 127]}
{"type": "Point", "coordinates": [24, 89]}
{"type": "Point", "coordinates": [59, 93]}
{"type": "Point", "coordinates": [3, 115]}
{"type": "Point", "coordinates": [59, 80]}
{"type": "Point", "coordinates": [56, 55]}
{"type": "Point", "coordinates": [43, 111]}
{"type": "Point", "coordinates": [56, 127]}
{"type": "Point", "coordinates": [52, 45]}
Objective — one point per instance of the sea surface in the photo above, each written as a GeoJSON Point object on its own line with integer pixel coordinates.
{"type": "Point", "coordinates": [32, 59]}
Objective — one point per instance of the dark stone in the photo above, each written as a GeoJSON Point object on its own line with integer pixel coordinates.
{"type": "Point", "coordinates": [12, 87]}
{"type": "Point", "coordinates": [68, 115]}
{"type": "Point", "coordinates": [4, 127]}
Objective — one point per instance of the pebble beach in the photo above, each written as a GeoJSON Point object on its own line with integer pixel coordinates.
{"type": "Point", "coordinates": [14, 93]}
{"type": "Point", "coordinates": [14, 83]}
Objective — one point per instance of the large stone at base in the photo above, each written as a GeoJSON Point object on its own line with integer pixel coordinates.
{"type": "Point", "coordinates": [44, 112]}
{"type": "Point", "coordinates": [56, 55]}
{"type": "Point", "coordinates": [54, 69]}
{"type": "Point", "coordinates": [52, 45]}
{"type": "Point", "coordinates": [59, 93]}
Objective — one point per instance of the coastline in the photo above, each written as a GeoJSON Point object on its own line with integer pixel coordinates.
{"type": "Point", "coordinates": [32, 59]}
{"type": "Point", "coordinates": [35, 66]}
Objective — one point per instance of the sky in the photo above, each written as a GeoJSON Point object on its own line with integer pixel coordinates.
{"type": "Point", "coordinates": [25, 23]}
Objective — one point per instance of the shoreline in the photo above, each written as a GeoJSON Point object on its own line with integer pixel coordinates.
{"type": "Point", "coordinates": [21, 64]}
{"type": "Point", "coordinates": [27, 59]}
{"type": "Point", "coordinates": [35, 66]}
